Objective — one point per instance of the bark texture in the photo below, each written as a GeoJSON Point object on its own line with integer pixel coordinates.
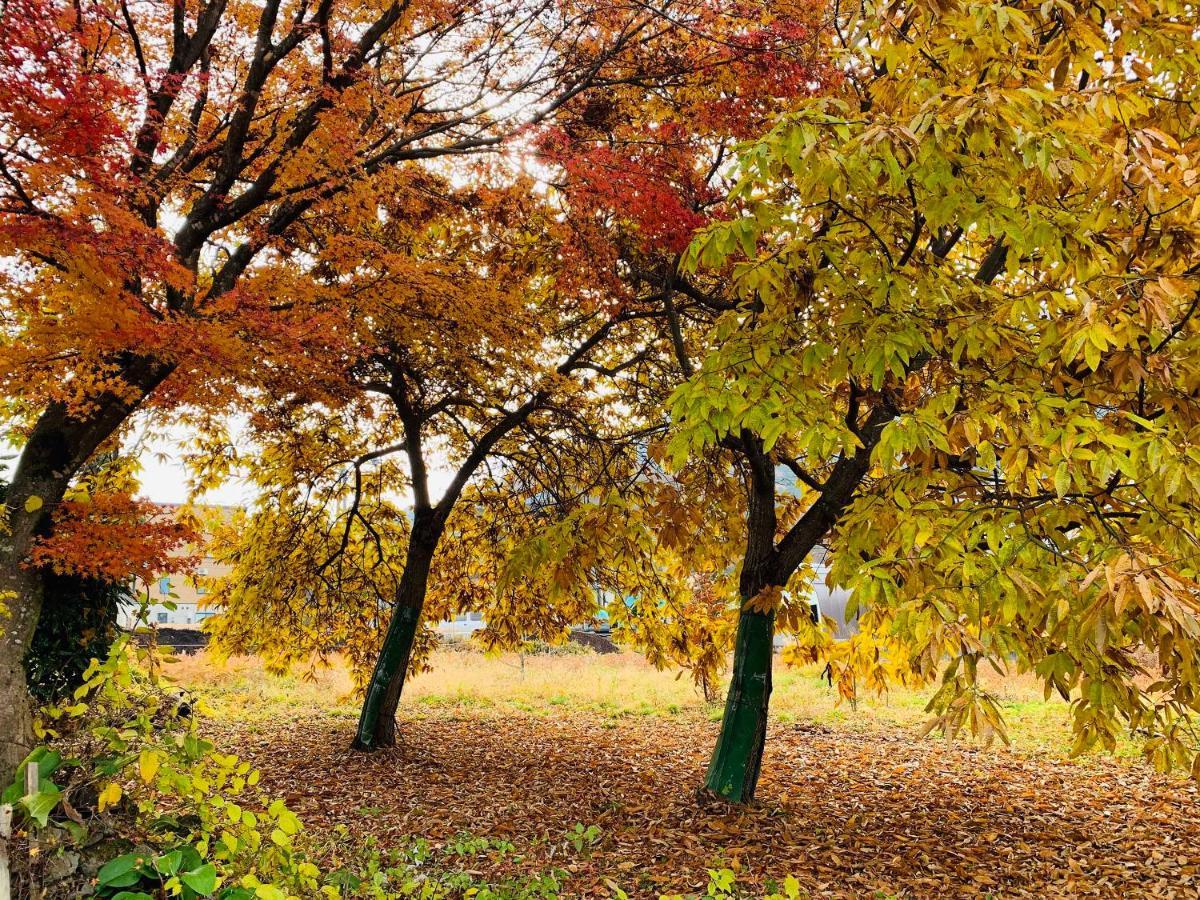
{"type": "Point", "coordinates": [377, 720]}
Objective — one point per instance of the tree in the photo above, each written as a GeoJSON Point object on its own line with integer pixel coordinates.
{"type": "Point", "coordinates": [159, 162]}
{"type": "Point", "coordinates": [455, 322]}
{"type": "Point", "coordinates": [77, 624]}
{"type": "Point", "coordinates": [455, 338]}
{"type": "Point", "coordinates": [965, 289]}
{"type": "Point", "coordinates": [638, 191]}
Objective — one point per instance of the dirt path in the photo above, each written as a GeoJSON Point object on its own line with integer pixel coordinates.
{"type": "Point", "coordinates": [848, 813]}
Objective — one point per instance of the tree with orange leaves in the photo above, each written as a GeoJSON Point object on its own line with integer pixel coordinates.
{"type": "Point", "coordinates": [159, 161]}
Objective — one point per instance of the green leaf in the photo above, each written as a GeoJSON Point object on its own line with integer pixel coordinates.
{"type": "Point", "coordinates": [48, 762]}
{"type": "Point", "coordinates": [762, 355]}
{"type": "Point", "coordinates": [202, 880]}
{"type": "Point", "coordinates": [168, 863]}
{"type": "Point", "coordinates": [40, 805]}
{"type": "Point", "coordinates": [119, 872]}
{"type": "Point", "coordinates": [1062, 479]}
{"type": "Point", "coordinates": [191, 857]}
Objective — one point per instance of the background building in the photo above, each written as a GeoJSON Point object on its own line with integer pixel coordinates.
{"type": "Point", "coordinates": [178, 598]}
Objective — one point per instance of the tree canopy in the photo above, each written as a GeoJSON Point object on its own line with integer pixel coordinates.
{"type": "Point", "coordinates": [966, 282]}
{"type": "Point", "coordinates": [679, 294]}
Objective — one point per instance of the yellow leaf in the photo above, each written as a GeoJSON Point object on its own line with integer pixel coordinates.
{"type": "Point", "coordinates": [33, 503]}
{"type": "Point", "coordinates": [767, 600]}
{"type": "Point", "coordinates": [1175, 288]}
{"type": "Point", "coordinates": [148, 763]}
{"type": "Point", "coordinates": [109, 796]}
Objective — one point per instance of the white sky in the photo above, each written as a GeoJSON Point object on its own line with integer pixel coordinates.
{"type": "Point", "coordinates": [165, 479]}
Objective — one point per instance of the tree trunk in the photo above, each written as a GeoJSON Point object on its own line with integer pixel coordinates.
{"type": "Point", "coordinates": [58, 445]}
{"type": "Point", "coordinates": [377, 721]}
{"type": "Point", "coordinates": [737, 759]}
{"type": "Point", "coordinates": [21, 591]}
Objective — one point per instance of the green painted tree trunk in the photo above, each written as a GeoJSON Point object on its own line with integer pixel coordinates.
{"type": "Point", "coordinates": [377, 721]}
{"type": "Point", "coordinates": [737, 759]}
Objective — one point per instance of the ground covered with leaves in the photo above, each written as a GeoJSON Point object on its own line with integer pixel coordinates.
{"type": "Point", "coordinates": [847, 812]}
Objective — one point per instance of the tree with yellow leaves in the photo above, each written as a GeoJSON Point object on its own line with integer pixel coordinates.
{"type": "Point", "coordinates": [458, 350]}
{"type": "Point", "coordinates": [965, 285]}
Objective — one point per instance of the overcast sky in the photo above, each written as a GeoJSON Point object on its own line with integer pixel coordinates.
{"type": "Point", "coordinates": [165, 479]}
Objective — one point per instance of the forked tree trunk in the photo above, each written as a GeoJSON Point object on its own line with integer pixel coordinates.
{"type": "Point", "coordinates": [737, 759]}
{"type": "Point", "coordinates": [377, 721]}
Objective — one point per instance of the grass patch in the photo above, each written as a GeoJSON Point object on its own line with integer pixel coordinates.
{"type": "Point", "coordinates": [612, 687]}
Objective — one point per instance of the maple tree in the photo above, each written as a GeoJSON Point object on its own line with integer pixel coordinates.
{"type": "Point", "coordinates": [469, 313]}
{"type": "Point", "coordinates": [638, 175]}
{"type": "Point", "coordinates": [965, 284]}
{"type": "Point", "coordinates": [160, 160]}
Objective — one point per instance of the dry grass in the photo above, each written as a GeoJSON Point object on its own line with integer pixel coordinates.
{"type": "Point", "coordinates": [609, 687]}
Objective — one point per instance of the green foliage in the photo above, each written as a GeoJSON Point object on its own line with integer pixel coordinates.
{"type": "Point", "coordinates": [584, 838]}
{"type": "Point", "coordinates": [977, 260]}
{"type": "Point", "coordinates": [38, 805]}
{"type": "Point", "coordinates": [179, 871]}
{"type": "Point", "coordinates": [420, 871]}
{"type": "Point", "coordinates": [77, 624]}
{"type": "Point", "coordinates": [131, 767]}
{"type": "Point", "coordinates": [722, 883]}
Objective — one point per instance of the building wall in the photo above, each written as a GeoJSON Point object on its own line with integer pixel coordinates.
{"type": "Point", "coordinates": [187, 592]}
{"type": "Point", "coordinates": [461, 627]}
{"type": "Point", "coordinates": [832, 603]}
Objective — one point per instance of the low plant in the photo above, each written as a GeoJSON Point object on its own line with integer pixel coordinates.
{"type": "Point", "coordinates": [132, 801]}
{"type": "Point", "coordinates": [723, 885]}
{"type": "Point", "coordinates": [584, 838]}
{"type": "Point", "coordinates": [419, 870]}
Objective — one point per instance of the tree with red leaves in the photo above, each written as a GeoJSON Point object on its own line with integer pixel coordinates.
{"type": "Point", "coordinates": [159, 161]}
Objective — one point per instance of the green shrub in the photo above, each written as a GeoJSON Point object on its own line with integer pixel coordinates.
{"type": "Point", "coordinates": [130, 789]}
{"type": "Point", "coordinates": [77, 624]}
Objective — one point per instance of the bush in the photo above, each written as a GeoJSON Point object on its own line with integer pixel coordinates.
{"type": "Point", "coordinates": [77, 624]}
{"type": "Point", "coordinates": [134, 802]}
{"type": "Point", "coordinates": [543, 648]}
